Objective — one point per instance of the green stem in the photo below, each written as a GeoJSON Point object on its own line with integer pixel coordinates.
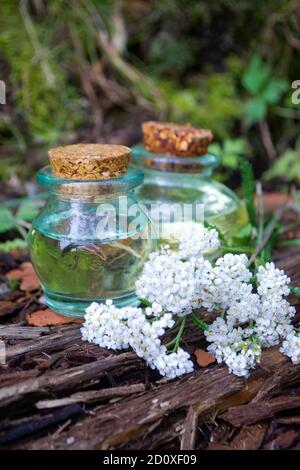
{"type": "Point", "coordinates": [177, 338]}
{"type": "Point", "coordinates": [267, 233]}
{"type": "Point", "coordinates": [145, 302]}
{"type": "Point", "coordinates": [198, 322]}
{"type": "Point", "coordinates": [261, 213]}
{"type": "Point", "coordinates": [22, 231]}
{"type": "Point", "coordinates": [237, 249]}
{"type": "Point", "coordinates": [23, 223]}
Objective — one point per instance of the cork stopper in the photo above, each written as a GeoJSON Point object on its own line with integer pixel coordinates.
{"type": "Point", "coordinates": [168, 138]}
{"type": "Point", "coordinates": [89, 161]}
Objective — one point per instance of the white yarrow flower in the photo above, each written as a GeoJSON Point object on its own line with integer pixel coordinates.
{"type": "Point", "coordinates": [198, 241]}
{"type": "Point", "coordinates": [291, 347]}
{"type": "Point", "coordinates": [175, 283]}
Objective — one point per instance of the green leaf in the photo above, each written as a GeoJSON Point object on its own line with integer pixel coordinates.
{"type": "Point", "coordinates": [245, 232]}
{"type": "Point", "coordinates": [287, 166]}
{"type": "Point", "coordinates": [274, 89]}
{"type": "Point", "coordinates": [11, 245]}
{"type": "Point", "coordinates": [216, 149]}
{"type": "Point", "coordinates": [235, 146]}
{"type": "Point", "coordinates": [229, 152]}
{"type": "Point", "coordinates": [212, 226]}
{"type": "Point", "coordinates": [256, 75]}
{"type": "Point", "coordinates": [7, 220]}
{"type": "Point", "coordinates": [28, 210]}
{"type": "Point", "coordinates": [255, 110]}
{"type": "Point", "coordinates": [248, 187]}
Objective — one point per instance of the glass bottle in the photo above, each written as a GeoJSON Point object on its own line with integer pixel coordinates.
{"type": "Point", "coordinates": [186, 181]}
{"type": "Point", "coordinates": [85, 245]}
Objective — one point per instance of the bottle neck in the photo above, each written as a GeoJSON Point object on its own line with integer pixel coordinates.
{"type": "Point", "coordinates": [88, 190]}
{"type": "Point", "coordinates": [202, 166]}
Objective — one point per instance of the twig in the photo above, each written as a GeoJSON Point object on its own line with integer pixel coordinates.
{"type": "Point", "coordinates": [267, 140]}
{"type": "Point", "coordinates": [260, 206]}
{"type": "Point", "coordinates": [189, 430]}
{"type": "Point", "coordinates": [268, 232]}
{"type": "Point", "coordinates": [92, 396]}
{"type": "Point", "coordinates": [23, 332]}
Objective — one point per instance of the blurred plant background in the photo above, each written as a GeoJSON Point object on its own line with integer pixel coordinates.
{"type": "Point", "coordinates": [93, 70]}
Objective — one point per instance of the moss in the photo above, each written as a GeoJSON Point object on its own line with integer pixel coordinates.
{"type": "Point", "coordinates": [42, 94]}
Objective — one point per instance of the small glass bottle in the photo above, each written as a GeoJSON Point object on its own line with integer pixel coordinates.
{"type": "Point", "coordinates": [172, 180]}
{"type": "Point", "coordinates": [85, 245]}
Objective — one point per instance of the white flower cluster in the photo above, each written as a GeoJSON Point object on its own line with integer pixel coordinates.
{"type": "Point", "coordinates": [274, 321]}
{"type": "Point", "coordinates": [168, 282]}
{"type": "Point", "coordinates": [223, 284]}
{"type": "Point", "coordinates": [175, 283]}
{"type": "Point", "coordinates": [291, 347]}
{"type": "Point", "coordinates": [267, 316]}
{"type": "Point", "coordinates": [198, 241]}
{"type": "Point", "coordinates": [232, 346]}
{"type": "Point", "coordinates": [119, 328]}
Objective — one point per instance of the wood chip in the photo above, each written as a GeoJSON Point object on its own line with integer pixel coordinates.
{"type": "Point", "coordinates": [27, 276]}
{"type": "Point", "coordinates": [250, 437]}
{"type": "Point", "coordinates": [283, 440]}
{"type": "Point", "coordinates": [48, 317]}
{"type": "Point", "coordinates": [7, 307]}
{"type": "Point", "coordinates": [204, 358]}
{"type": "Point", "coordinates": [249, 414]}
{"type": "Point", "coordinates": [22, 332]}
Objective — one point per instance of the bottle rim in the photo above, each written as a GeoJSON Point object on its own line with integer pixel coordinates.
{"type": "Point", "coordinates": [171, 163]}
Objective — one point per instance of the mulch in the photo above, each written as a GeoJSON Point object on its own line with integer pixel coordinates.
{"type": "Point", "coordinates": [58, 392]}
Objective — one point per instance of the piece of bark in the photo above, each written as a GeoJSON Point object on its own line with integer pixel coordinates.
{"type": "Point", "coordinates": [8, 307]}
{"type": "Point", "coordinates": [249, 414]}
{"type": "Point", "coordinates": [206, 390]}
{"type": "Point", "coordinates": [219, 446]}
{"type": "Point", "coordinates": [250, 437]}
{"type": "Point", "coordinates": [269, 385]}
{"type": "Point", "coordinates": [92, 396]}
{"type": "Point", "coordinates": [22, 332]}
{"type": "Point", "coordinates": [46, 344]}
{"type": "Point", "coordinates": [243, 415]}
{"type": "Point", "coordinates": [10, 378]}
{"type": "Point", "coordinates": [161, 433]}
{"type": "Point", "coordinates": [288, 420]}
{"type": "Point", "coordinates": [62, 380]}
{"type": "Point", "coordinates": [49, 318]}
{"type": "Point", "coordinates": [30, 426]}
{"type": "Point", "coordinates": [283, 440]}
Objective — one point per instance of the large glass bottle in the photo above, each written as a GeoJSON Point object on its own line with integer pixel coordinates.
{"type": "Point", "coordinates": [171, 181]}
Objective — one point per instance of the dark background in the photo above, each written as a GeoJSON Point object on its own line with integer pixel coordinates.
{"type": "Point", "coordinates": [92, 70]}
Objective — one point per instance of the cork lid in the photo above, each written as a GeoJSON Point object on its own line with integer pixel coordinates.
{"type": "Point", "coordinates": [175, 139]}
{"type": "Point", "coordinates": [89, 161]}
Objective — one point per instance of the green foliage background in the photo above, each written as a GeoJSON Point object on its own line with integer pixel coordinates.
{"type": "Point", "coordinates": [92, 70]}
